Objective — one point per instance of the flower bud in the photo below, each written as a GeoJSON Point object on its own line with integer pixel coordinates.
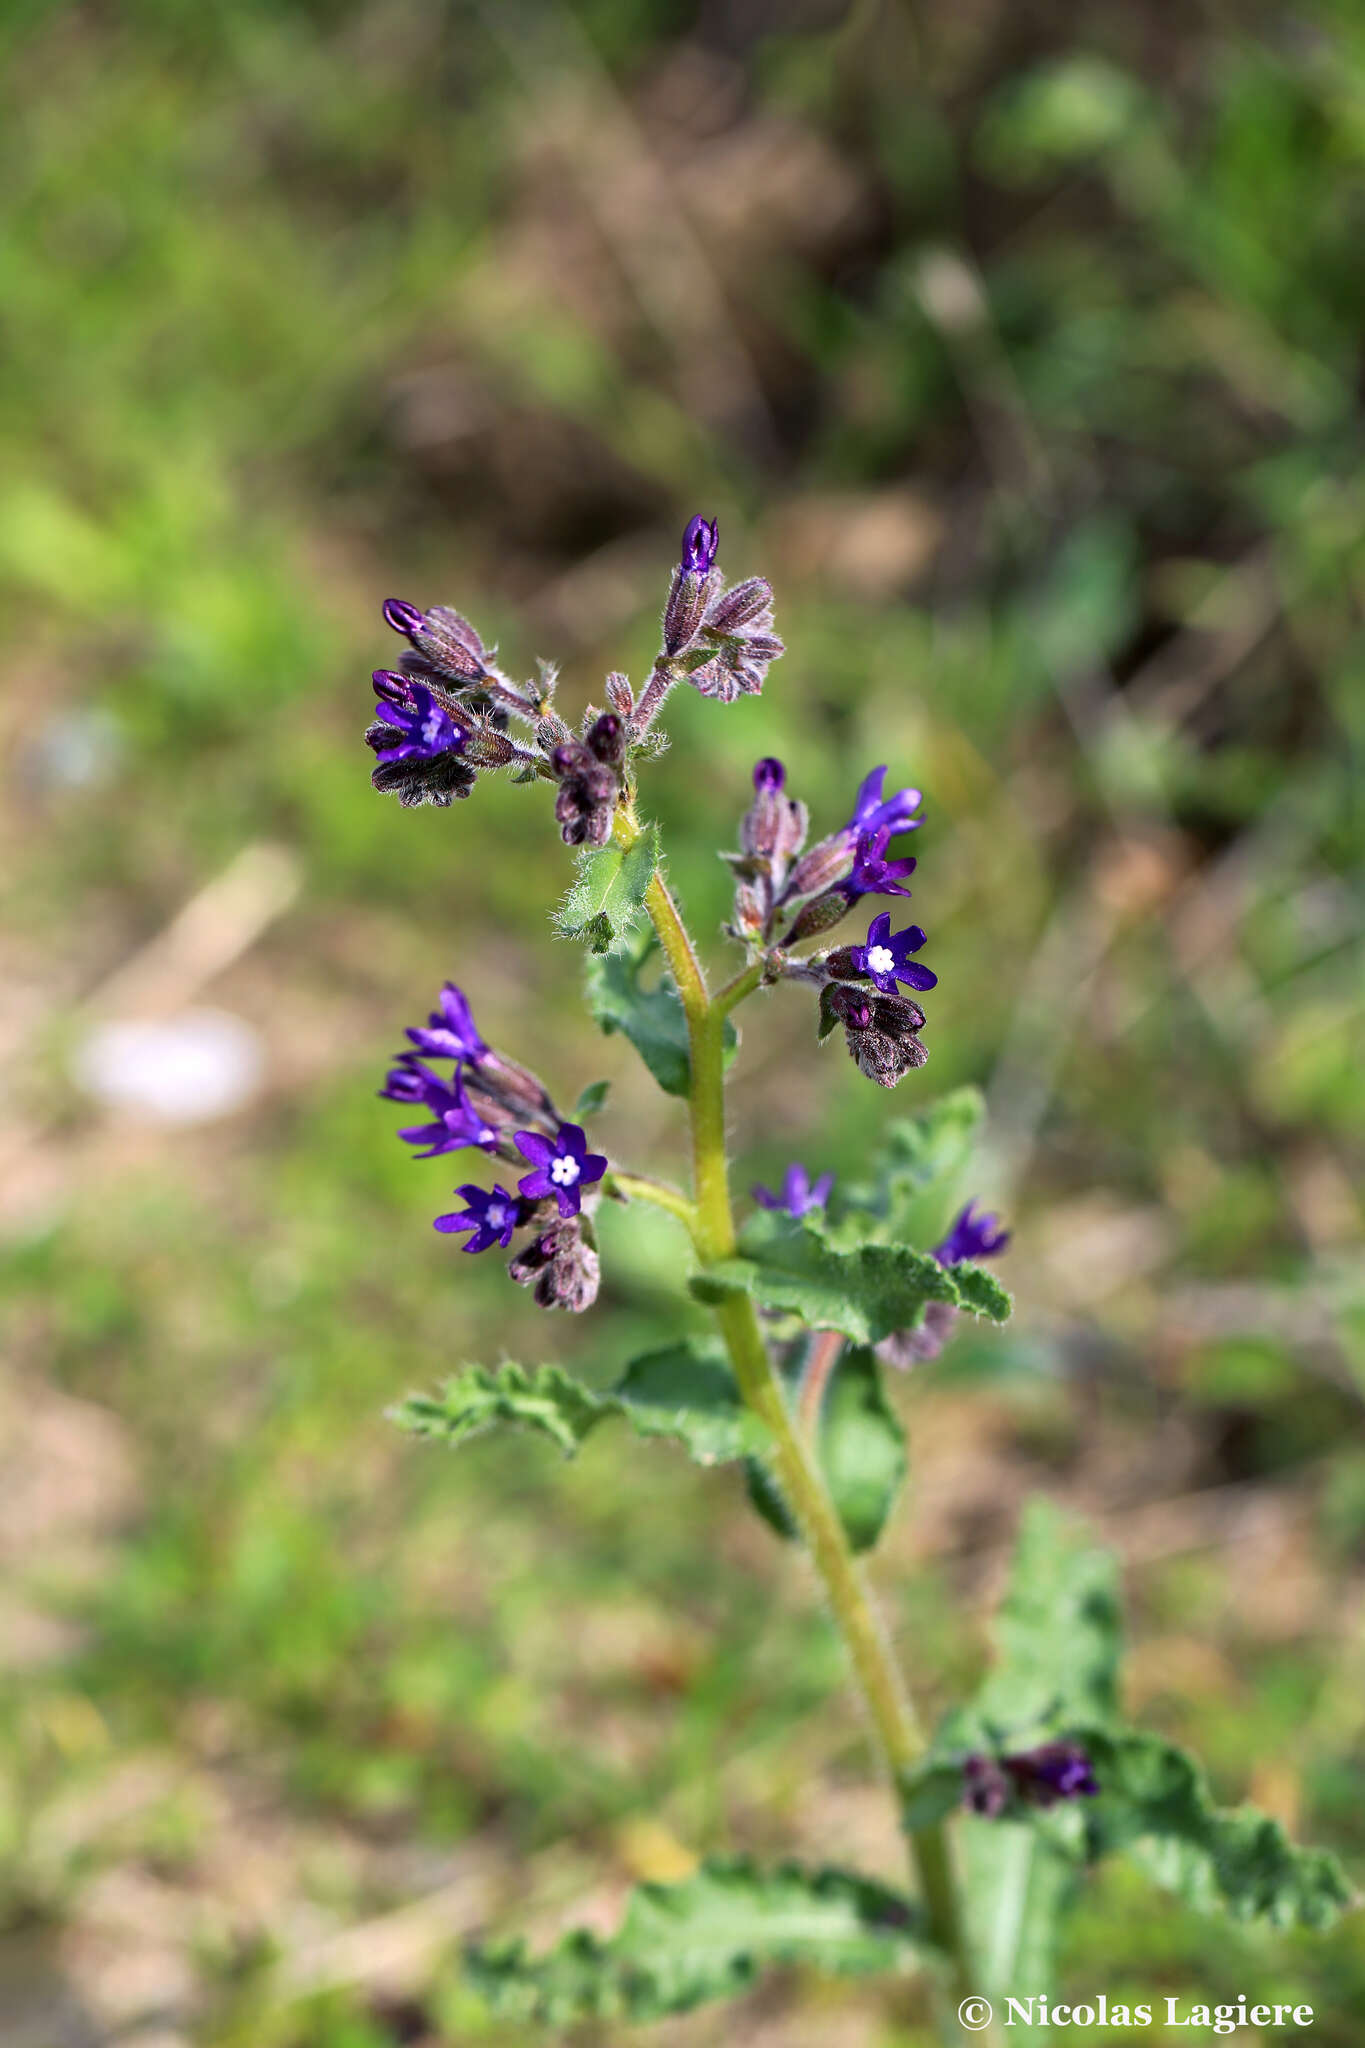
{"type": "Point", "coordinates": [514, 1086]}
{"type": "Point", "coordinates": [562, 1265]}
{"type": "Point", "coordinates": [606, 739]}
{"type": "Point", "coordinates": [827, 863]}
{"type": "Point", "coordinates": [747, 605]}
{"type": "Point", "coordinates": [446, 640]}
{"type": "Point", "coordinates": [688, 597]}
{"type": "Point", "coordinates": [817, 916]}
{"type": "Point", "coordinates": [620, 696]}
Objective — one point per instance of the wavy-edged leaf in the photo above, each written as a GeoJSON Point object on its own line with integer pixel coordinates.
{"type": "Point", "coordinates": [651, 1018]}
{"type": "Point", "coordinates": [607, 895]}
{"type": "Point", "coordinates": [1155, 1803]}
{"type": "Point", "coordinates": [865, 1292]}
{"type": "Point", "coordinates": [860, 1445]}
{"type": "Point", "coordinates": [709, 1937]}
{"type": "Point", "coordinates": [685, 1391]}
{"type": "Point", "coordinates": [1059, 1630]}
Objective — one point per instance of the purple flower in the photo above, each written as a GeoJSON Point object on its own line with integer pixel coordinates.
{"type": "Point", "coordinates": [417, 730]}
{"type": "Point", "coordinates": [449, 1033]}
{"type": "Point", "coordinates": [872, 813]}
{"type": "Point", "coordinates": [769, 775]}
{"type": "Point", "coordinates": [798, 1196]}
{"type": "Point", "coordinates": [563, 1167]}
{"type": "Point", "coordinates": [886, 956]}
{"type": "Point", "coordinates": [872, 874]}
{"type": "Point", "coordinates": [1053, 1771]}
{"type": "Point", "coordinates": [458, 1124]}
{"type": "Point", "coordinates": [972, 1237]}
{"type": "Point", "coordinates": [699, 543]}
{"type": "Point", "coordinates": [490, 1217]}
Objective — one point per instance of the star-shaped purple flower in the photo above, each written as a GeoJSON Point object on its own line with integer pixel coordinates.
{"type": "Point", "coordinates": [874, 813]}
{"type": "Point", "coordinates": [449, 1032]}
{"type": "Point", "coordinates": [424, 727]}
{"type": "Point", "coordinates": [872, 874]}
{"type": "Point", "coordinates": [972, 1237]}
{"type": "Point", "coordinates": [799, 1196]}
{"type": "Point", "coordinates": [885, 959]}
{"type": "Point", "coordinates": [700, 540]}
{"type": "Point", "coordinates": [563, 1167]}
{"type": "Point", "coordinates": [491, 1216]}
{"type": "Point", "coordinates": [458, 1124]}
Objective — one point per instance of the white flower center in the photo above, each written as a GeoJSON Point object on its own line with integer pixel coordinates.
{"type": "Point", "coordinates": [496, 1216]}
{"type": "Point", "coordinates": [880, 960]}
{"type": "Point", "coordinates": [564, 1172]}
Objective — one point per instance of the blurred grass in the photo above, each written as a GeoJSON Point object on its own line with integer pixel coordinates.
{"type": "Point", "coordinates": [1023, 350]}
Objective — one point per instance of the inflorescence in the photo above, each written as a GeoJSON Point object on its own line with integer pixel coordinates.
{"type": "Point", "coordinates": [446, 715]}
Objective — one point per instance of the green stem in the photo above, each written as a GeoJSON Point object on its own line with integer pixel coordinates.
{"type": "Point", "coordinates": [636, 1187]}
{"type": "Point", "coordinates": [743, 985]}
{"type": "Point", "coordinates": [898, 1739]}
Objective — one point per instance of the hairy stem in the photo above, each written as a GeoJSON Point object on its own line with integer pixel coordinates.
{"type": "Point", "coordinates": [637, 1187]}
{"type": "Point", "coordinates": [896, 1733]}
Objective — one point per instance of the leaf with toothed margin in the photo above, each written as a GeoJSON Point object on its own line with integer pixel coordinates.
{"type": "Point", "coordinates": [709, 1937]}
{"type": "Point", "coordinates": [604, 903]}
{"type": "Point", "coordinates": [651, 1018]}
{"type": "Point", "coordinates": [865, 1292]}
{"type": "Point", "coordinates": [685, 1391]}
{"type": "Point", "coordinates": [1059, 1629]}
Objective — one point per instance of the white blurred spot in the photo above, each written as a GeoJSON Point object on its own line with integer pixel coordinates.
{"type": "Point", "coordinates": [186, 1069]}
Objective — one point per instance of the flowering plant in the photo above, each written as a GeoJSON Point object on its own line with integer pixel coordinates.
{"type": "Point", "coordinates": [819, 1290]}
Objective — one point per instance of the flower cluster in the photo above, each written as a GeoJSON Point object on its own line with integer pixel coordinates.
{"type": "Point", "coordinates": [493, 1105]}
{"type": "Point", "coordinates": [1037, 1777]}
{"type": "Point", "coordinates": [784, 896]}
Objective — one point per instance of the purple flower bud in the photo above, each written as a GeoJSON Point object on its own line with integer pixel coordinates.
{"type": "Point", "coordinates": [827, 862]}
{"type": "Point", "coordinates": [392, 687]}
{"type": "Point", "coordinates": [606, 739]}
{"type": "Point", "coordinates": [904, 1348]}
{"type": "Point", "coordinates": [562, 1265]}
{"type": "Point", "coordinates": [700, 540]}
{"type": "Point", "coordinates": [798, 1196]}
{"type": "Point", "coordinates": [1041, 1776]}
{"type": "Point", "coordinates": [620, 696]}
{"type": "Point", "coordinates": [403, 617]}
{"type": "Point", "coordinates": [769, 775]}
{"type": "Point", "coordinates": [972, 1237]}
{"type": "Point", "coordinates": [444, 640]}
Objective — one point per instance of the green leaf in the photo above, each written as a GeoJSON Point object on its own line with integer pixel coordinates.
{"type": "Point", "coordinates": [688, 1391]}
{"type": "Point", "coordinates": [861, 1451]}
{"type": "Point", "coordinates": [651, 1018]}
{"type": "Point", "coordinates": [1155, 1804]}
{"type": "Point", "coordinates": [708, 1937]}
{"type": "Point", "coordinates": [685, 1391]}
{"type": "Point", "coordinates": [604, 903]}
{"type": "Point", "coordinates": [1059, 1632]}
{"type": "Point", "coordinates": [865, 1293]}
{"type": "Point", "coordinates": [1017, 1889]}
{"type": "Point", "coordinates": [916, 1176]}
{"type": "Point", "coordinates": [591, 1100]}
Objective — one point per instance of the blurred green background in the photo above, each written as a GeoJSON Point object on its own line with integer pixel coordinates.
{"type": "Point", "coordinates": [1023, 348]}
